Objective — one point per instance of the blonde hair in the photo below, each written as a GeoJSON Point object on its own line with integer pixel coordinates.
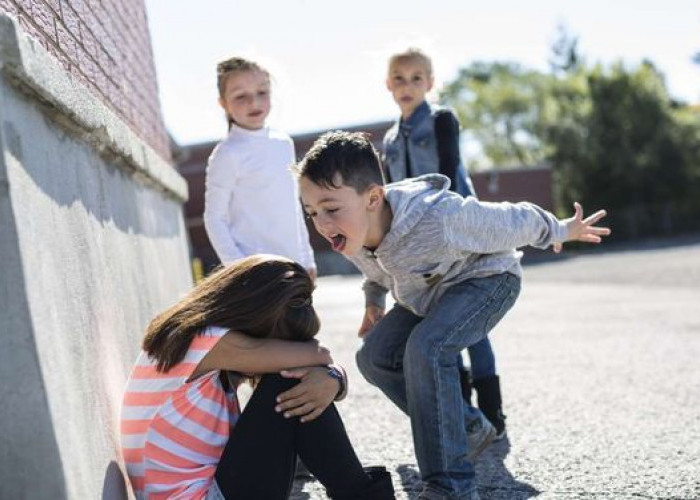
{"type": "Point", "coordinates": [234, 65]}
{"type": "Point", "coordinates": [412, 54]}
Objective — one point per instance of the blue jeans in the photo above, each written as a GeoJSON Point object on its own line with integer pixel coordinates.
{"type": "Point", "coordinates": [413, 361]}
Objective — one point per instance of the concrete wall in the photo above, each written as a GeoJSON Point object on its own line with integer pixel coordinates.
{"type": "Point", "coordinates": [92, 244]}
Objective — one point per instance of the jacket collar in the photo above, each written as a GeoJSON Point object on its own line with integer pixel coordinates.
{"type": "Point", "coordinates": [418, 114]}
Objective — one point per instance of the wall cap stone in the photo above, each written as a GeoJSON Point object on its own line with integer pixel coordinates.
{"type": "Point", "coordinates": [28, 67]}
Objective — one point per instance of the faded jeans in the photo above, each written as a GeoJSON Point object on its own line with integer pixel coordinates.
{"type": "Point", "coordinates": [413, 361]}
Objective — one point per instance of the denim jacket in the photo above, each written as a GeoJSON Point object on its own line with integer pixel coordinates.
{"type": "Point", "coordinates": [417, 137]}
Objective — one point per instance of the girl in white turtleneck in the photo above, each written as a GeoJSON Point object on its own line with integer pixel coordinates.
{"type": "Point", "coordinates": [251, 204]}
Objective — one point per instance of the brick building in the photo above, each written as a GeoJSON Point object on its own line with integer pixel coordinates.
{"type": "Point", "coordinates": [106, 46]}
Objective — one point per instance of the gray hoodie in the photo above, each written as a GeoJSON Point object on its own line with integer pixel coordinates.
{"type": "Point", "coordinates": [438, 239]}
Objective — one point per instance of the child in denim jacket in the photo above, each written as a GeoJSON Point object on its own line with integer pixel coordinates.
{"type": "Point", "coordinates": [452, 267]}
{"type": "Point", "coordinates": [425, 140]}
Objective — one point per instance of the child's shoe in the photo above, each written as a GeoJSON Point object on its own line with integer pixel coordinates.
{"type": "Point", "coordinates": [480, 434]}
{"type": "Point", "coordinates": [380, 487]}
{"type": "Point", "coordinates": [429, 494]}
{"type": "Point", "coordinates": [488, 392]}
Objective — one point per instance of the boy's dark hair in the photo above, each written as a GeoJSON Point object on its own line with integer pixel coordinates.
{"type": "Point", "coordinates": [350, 154]}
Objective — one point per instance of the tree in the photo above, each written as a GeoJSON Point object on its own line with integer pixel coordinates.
{"type": "Point", "coordinates": [612, 135]}
{"type": "Point", "coordinates": [498, 105]}
{"type": "Point", "coordinates": [635, 155]}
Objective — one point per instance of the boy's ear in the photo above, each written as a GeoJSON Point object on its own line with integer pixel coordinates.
{"type": "Point", "coordinates": [431, 82]}
{"type": "Point", "coordinates": [222, 103]}
{"type": "Point", "coordinates": [375, 197]}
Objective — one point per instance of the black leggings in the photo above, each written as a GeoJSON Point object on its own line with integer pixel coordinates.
{"type": "Point", "coordinates": [260, 456]}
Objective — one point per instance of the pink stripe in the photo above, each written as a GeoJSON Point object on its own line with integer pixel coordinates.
{"type": "Point", "coordinates": [187, 440]}
{"type": "Point", "coordinates": [150, 372]}
{"type": "Point", "coordinates": [187, 410]}
{"type": "Point", "coordinates": [132, 455]}
{"type": "Point", "coordinates": [164, 456]}
{"type": "Point", "coordinates": [154, 476]}
{"type": "Point", "coordinates": [135, 426]}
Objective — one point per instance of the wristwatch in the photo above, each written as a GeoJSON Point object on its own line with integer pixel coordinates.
{"type": "Point", "coordinates": [338, 373]}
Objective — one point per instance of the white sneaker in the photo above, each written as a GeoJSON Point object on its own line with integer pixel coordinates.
{"type": "Point", "coordinates": [480, 434]}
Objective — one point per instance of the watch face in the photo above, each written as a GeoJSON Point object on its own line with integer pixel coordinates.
{"type": "Point", "coordinates": [336, 374]}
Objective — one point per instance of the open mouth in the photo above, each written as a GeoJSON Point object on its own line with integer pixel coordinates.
{"type": "Point", "coordinates": [337, 242]}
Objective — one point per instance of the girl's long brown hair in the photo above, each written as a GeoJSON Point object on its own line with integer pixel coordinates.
{"type": "Point", "coordinates": [261, 296]}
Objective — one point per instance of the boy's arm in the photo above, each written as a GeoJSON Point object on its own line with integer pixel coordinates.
{"type": "Point", "coordinates": [375, 304]}
{"type": "Point", "coordinates": [220, 182]}
{"type": "Point", "coordinates": [482, 227]}
{"type": "Point", "coordinates": [375, 294]}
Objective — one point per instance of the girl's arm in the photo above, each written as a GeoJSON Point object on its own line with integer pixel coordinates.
{"type": "Point", "coordinates": [307, 257]}
{"type": "Point", "coordinates": [220, 181]}
{"type": "Point", "coordinates": [447, 139]}
{"type": "Point", "coordinates": [449, 159]}
{"type": "Point", "coordinates": [236, 351]}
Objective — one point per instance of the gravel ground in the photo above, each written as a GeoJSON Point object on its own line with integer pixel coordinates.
{"type": "Point", "coordinates": [600, 370]}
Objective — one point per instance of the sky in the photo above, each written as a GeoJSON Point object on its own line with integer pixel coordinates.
{"type": "Point", "coordinates": [328, 57]}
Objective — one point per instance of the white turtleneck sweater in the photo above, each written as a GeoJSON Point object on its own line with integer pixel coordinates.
{"type": "Point", "coordinates": [251, 203]}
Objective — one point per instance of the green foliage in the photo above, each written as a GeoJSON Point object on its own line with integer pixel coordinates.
{"type": "Point", "coordinates": [612, 135]}
{"type": "Point", "coordinates": [499, 104]}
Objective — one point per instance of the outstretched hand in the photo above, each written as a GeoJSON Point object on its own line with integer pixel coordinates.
{"type": "Point", "coordinates": [311, 396]}
{"type": "Point", "coordinates": [581, 229]}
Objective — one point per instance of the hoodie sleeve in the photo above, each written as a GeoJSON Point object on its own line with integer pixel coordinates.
{"type": "Point", "coordinates": [220, 186]}
{"type": "Point", "coordinates": [483, 227]}
{"type": "Point", "coordinates": [375, 294]}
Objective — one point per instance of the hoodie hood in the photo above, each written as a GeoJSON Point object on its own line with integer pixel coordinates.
{"type": "Point", "coordinates": [410, 200]}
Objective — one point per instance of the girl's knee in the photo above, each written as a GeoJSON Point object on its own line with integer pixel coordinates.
{"type": "Point", "coordinates": [271, 385]}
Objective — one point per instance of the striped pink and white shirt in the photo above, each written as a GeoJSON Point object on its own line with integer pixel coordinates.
{"type": "Point", "coordinates": [173, 432]}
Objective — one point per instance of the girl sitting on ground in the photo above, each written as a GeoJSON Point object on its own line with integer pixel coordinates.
{"type": "Point", "coordinates": [183, 433]}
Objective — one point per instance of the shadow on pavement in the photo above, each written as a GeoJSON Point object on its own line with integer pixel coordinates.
{"type": "Point", "coordinates": [410, 480]}
{"type": "Point", "coordinates": [494, 480]}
